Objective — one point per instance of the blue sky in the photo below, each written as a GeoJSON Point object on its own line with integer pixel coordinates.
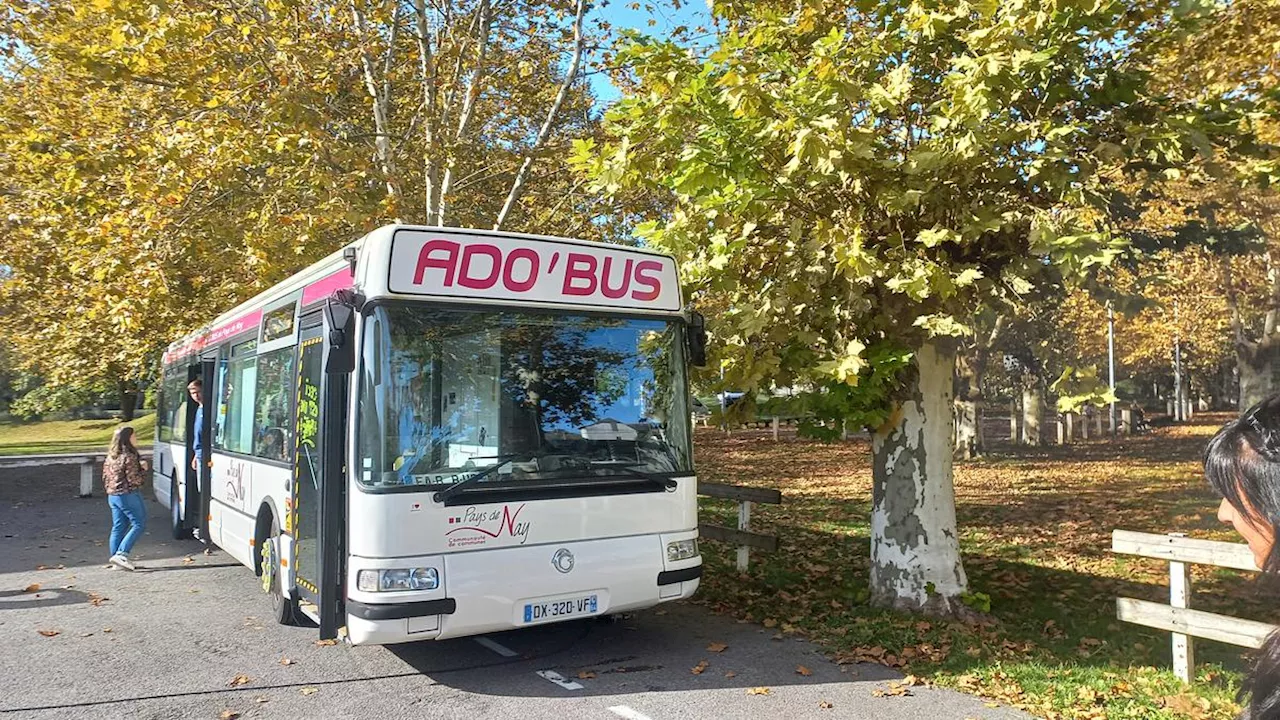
{"type": "Point", "coordinates": [621, 15]}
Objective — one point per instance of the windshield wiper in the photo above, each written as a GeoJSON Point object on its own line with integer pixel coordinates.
{"type": "Point", "coordinates": [445, 494]}
{"type": "Point", "coordinates": [634, 471]}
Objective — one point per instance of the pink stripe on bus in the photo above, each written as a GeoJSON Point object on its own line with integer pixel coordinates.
{"type": "Point", "coordinates": [317, 290]}
{"type": "Point", "coordinates": [321, 288]}
{"type": "Point", "coordinates": [217, 335]}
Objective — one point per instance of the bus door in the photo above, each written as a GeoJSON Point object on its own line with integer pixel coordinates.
{"type": "Point", "coordinates": [318, 503]}
{"type": "Point", "coordinates": [196, 483]}
{"type": "Point", "coordinates": [304, 490]}
{"type": "Point", "coordinates": [208, 363]}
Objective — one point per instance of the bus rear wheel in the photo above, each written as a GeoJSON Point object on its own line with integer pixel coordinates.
{"type": "Point", "coordinates": [283, 609]}
{"type": "Point", "coordinates": [175, 512]}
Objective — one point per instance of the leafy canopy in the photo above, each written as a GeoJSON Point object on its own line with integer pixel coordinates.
{"type": "Point", "coordinates": [847, 176]}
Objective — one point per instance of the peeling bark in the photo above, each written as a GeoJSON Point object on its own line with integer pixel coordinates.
{"type": "Point", "coordinates": [915, 553]}
{"type": "Point", "coordinates": [971, 367]}
{"type": "Point", "coordinates": [1032, 414]}
{"type": "Point", "coordinates": [1255, 361]}
{"type": "Point", "coordinates": [968, 429]}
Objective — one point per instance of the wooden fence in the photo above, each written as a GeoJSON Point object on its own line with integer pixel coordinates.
{"type": "Point", "coordinates": [1178, 617]}
{"type": "Point", "coordinates": [742, 535]}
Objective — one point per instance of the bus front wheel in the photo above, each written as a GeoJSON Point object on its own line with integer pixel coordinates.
{"type": "Point", "coordinates": [283, 609]}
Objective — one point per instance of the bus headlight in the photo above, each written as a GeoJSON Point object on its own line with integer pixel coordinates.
{"type": "Point", "coordinates": [391, 580]}
{"type": "Point", "coordinates": [682, 549]}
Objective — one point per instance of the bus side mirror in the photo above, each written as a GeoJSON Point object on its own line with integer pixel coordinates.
{"type": "Point", "coordinates": [339, 331]}
{"type": "Point", "coordinates": [697, 340]}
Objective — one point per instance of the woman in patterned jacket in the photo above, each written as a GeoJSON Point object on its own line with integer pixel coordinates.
{"type": "Point", "coordinates": [123, 475]}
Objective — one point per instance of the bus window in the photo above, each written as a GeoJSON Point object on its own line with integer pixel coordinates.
{"type": "Point", "coordinates": [236, 396]}
{"type": "Point", "coordinates": [272, 417]}
{"type": "Point", "coordinates": [171, 414]}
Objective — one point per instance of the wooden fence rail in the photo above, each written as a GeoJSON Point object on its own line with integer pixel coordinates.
{"type": "Point", "coordinates": [1177, 617]}
{"type": "Point", "coordinates": [742, 536]}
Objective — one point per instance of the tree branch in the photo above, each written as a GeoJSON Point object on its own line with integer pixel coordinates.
{"type": "Point", "coordinates": [381, 97]}
{"type": "Point", "coordinates": [517, 185]}
{"type": "Point", "coordinates": [468, 103]}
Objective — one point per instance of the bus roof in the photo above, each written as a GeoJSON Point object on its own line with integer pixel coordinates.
{"type": "Point", "coordinates": [457, 265]}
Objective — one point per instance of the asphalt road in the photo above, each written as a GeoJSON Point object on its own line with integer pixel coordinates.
{"type": "Point", "coordinates": [188, 636]}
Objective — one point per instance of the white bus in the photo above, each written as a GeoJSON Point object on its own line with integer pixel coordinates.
{"type": "Point", "coordinates": [440, 432]}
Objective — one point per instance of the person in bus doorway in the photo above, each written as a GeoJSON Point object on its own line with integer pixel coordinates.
{"type": "Point", "coordinates": [1242, 463]}
{"type": "Point", "coordinates": [123, 474]}
{"type": "Point", "coordinates": [195, 389]}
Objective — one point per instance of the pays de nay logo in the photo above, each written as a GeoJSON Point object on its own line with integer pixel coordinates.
{"type": "Point", "coordinates": [477, 526]}
{"type": "Point", "coordinates": [234, 489]}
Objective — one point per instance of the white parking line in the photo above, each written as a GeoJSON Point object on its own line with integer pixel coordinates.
{"type": "Point", "coordinates": [502, 650]}
{"type": "Point", "coordinates": [625, 712]}
{"type": "Point", "coordinates": [559, 679]}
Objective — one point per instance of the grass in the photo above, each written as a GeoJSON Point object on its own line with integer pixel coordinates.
{"type": "Point", "coordinates": [1035, 528]}
{"type": "Point", "coordinates": [67, 436]}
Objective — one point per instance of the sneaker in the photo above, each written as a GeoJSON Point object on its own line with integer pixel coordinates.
{"type": "Point", "coordinates": [122, 561]}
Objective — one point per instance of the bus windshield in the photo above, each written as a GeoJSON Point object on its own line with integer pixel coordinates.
{"type": "Point", "coordinates": [449, 394]}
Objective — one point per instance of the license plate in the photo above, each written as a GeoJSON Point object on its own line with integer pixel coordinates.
{"type": "Point", "coordinates": [546, 610]}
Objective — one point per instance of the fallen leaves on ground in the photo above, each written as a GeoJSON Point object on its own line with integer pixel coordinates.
{"type": "Point", "coordinates": [825, 705]}
{"type": "Point", "coordinates": [327, 643]}
{"type": "Point", "coordinates": [730, 674]}
{"type": "Point", "coordinates": [586, 675]}
{"type": "Point", "coordinates": [239, 680]}
{"type": "Point", "coordinates": [96, 600]}
{"type": "Point", "coordinates": [287, 661]}
{"type": "Point", "coordinates": [701, 666]}
{"type": "Point", "coordinates": [309, 690]}
{"type": "Point", "coordinates": [228, 715]}
{"type": "Point", "coordinates": [49, 633]}
{"type": "Point", "coordinates": [261, 699]}
{"type": "Point", "coordinates": [1035, 528]}
{"type": "Point", "coordinates": [758, 691]}
{"type": "Point", "coordinates": [802, 670]}
{"type": "Point", "coordinates": [716, 647]}
{"type": "Point", "coordinates": [1188, 705]}
{"type": "Point", "coordinates": [32, 588]}
{"type": "Point", "coordinates": [895, 689]}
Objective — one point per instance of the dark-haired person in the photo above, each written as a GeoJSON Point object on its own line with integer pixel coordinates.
{"type": "Point", "coordinates": [123, 476]}
{"type": "Point", "coordinates": [1242, 463]}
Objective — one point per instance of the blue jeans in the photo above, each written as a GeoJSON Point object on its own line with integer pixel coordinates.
{"type": "Point", "coordinates": [128, 512]}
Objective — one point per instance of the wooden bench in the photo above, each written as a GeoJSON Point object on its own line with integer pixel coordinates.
{"type": "Point", "coordinates": [742, 536]}
{"type": "Point", "coordinates": [1178, 617]}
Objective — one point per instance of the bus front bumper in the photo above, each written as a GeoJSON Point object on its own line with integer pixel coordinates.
{"type": "Point", "coordinates": [510, 588]}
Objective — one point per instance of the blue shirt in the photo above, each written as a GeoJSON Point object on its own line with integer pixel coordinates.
{"type": "Point", "coordinates": [199, 435]}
